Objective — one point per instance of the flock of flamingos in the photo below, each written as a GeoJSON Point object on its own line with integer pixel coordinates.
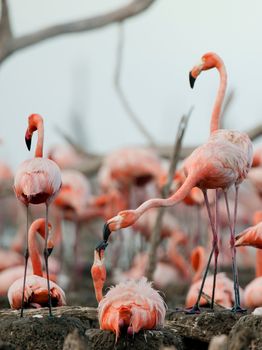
{"type": "Point", "coordinates": [223, 162]}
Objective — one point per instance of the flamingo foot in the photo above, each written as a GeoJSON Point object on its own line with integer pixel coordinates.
{"type": "Point", "coordinates": [238, 308]}
{"type": "Point", "coordinates": [194, 310]}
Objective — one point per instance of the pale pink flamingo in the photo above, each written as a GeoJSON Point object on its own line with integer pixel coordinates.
{"type": "Point", "coordinates": [252, 236]}
{"type": "Point", "coordinates": [224, 286]}
{"type": "Point", "coordinates": [76, 203]}
{"type": "Point", "coordinates": [37, 180]}
{"type": "Point", "coordinates": [223, 161]}
{"type": "Point", "coordinates": [34, 291]}
{"type": "Point", "coordinates": [127, 166]}
{"type": "Point", "coordinates": [129, 306]}
{"type": "Point", "coordinates": [64, 156]}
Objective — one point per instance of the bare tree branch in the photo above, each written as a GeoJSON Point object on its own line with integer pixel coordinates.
{"type": "Point", "coordinates": [132, 9]}
{"type": "Point", "coordinates": [120, 92]}
{"type": "Point", "coordinates": [155, 237]}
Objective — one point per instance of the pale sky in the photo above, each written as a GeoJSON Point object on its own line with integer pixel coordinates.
{"type": "Point", "coordinates": [75, 72]}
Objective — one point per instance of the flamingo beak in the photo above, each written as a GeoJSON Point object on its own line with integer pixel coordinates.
{"type": "Point", "coordinates": [106, 232]}
{"type": "Point", "coordinates": [28, 142]}
{"type": "Point", "coordinates": [104, 243]}
{"type": "Point", "coordinates": [191, 80]}
{"type": "Point", "coordinates": [49, 251]}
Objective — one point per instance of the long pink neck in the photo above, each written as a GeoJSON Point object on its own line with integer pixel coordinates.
{"type": "Point", "coordinates": [40, 140]}
{"type": "Point", "coordinates": [33, 248]}
{"type": "Point", "coordinates": [215, 119]}
{"type": "Point", "coordinates": [177, 197]}
{"type": "Point", "coordinates": [259, 263]}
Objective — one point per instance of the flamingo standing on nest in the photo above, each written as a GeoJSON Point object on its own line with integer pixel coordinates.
{"type": "Point", "coordinates": [129, 306]}
{"type": "Point", "coordinates": [37, 180]}
{"type": "Point", "coordinates": [34, 292]}
{"type": "Point", "coordinates": [223, 161]}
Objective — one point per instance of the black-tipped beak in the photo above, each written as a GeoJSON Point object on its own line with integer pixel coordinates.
{"type": "Point", "coordinates": [49, 251]}
{"type": "Point", "coordinates": [106, 232]}
{"type": "Point", "coordinates": [28, 143]}
{"type": "Point", "coordinates": [101, 246]}
{"type": "Point", "coordinates": [191, 80]}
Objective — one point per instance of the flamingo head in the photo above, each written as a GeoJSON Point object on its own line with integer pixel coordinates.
{"type": "Point", "coordinates": [124, 219]}
{"type": "Point", "coordinates": [34, 121]}
{"type": "Point", "coordinates": [208, 61]}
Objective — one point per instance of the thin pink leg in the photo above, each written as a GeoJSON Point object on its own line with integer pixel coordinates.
{"type": "Point", "coordinates": [26, 261]}
{"type": "Point", "coordinates": [237, 307]}
{"type": "Point", "coordinates": [195, 308]}
{"type": "Point", "coordinates": [47, 252]}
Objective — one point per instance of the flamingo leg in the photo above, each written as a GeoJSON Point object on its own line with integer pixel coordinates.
{"type": "Point", "coordinates": [26, 261]}
{"type": "Point", "coordinates": [47, 252]}
{"type": "Point", "coordinates": [76, 244]}
{"type": "Point", "coordinates": [216, 250]}
{"type": "Point", "coordinates": [234, 232]}
{"type": "Point", "coordinates": [195, 308]}
{"type": "Point", "coordinates": [237, 307]}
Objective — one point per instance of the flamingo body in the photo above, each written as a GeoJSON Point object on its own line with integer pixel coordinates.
{"type": "Point", "coordinates": [132, 304]}
{"type": "Point", "coordinates": [37, 181]}
{"type": "Point", "coordinates": [36, 293]}
{"type": "Point", "coordinates": [224, 293]}
{"type": "Point", "coordinates": [253, 293]}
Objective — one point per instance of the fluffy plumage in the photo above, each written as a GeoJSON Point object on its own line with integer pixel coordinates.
{"type": "Point", "coordinates": [132, 304]}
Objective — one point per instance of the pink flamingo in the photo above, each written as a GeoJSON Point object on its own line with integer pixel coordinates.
{"type": "Point", "coordinates": [127, 166]}
{"type": "Point", "coordinates": [129, 306]}
{"type": "Point", "coordinates": [252, 236]}
{"type": "Point", "coordinates": [224, 160]}
{"type": "Point", "coordinates": [35, 292]}
{"type": "Point", "coordinates": [37, 180]}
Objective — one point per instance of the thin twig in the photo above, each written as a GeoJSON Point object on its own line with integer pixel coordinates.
{"type": "Point", "coordinates": [155, 237]}
{"type": "Point", "coordinates": [120, 92]}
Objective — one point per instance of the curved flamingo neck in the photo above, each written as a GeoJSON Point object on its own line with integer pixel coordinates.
{"type": "Point", "coordinates": [35, 228]}
{"type": "Point", "coordinates": [198, 259]}
{"type": "Point", "coordinates": [216, 113]}
{"type": "Point", "coordinates": [259, 263]}
{"type": "Point", "coordinates": [177, 197]}
{"type": "Point", "coordinates": [40, 140]}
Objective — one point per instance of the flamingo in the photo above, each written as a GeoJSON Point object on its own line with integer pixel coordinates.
{"type": "Point", "coordinates": [35, 292]}
{"type": "Point", "coordinates": [37, 180]}
{"type": "Point", "coordinates": [223, 161]}
{"type": "Point", "coordinates": [224, 287]}
{"type": "Point", "coordinates": [130, 306]}
{"type": "Point", "coordinates": [252, 236]}
{"type": "Point", "coordinates": [128, 166]}
{"type": "Point", "coordinates": [75, 201]}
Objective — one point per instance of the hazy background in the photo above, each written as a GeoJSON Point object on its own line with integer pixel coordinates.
{"type": "Point", "coordinates": [75, 72]}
